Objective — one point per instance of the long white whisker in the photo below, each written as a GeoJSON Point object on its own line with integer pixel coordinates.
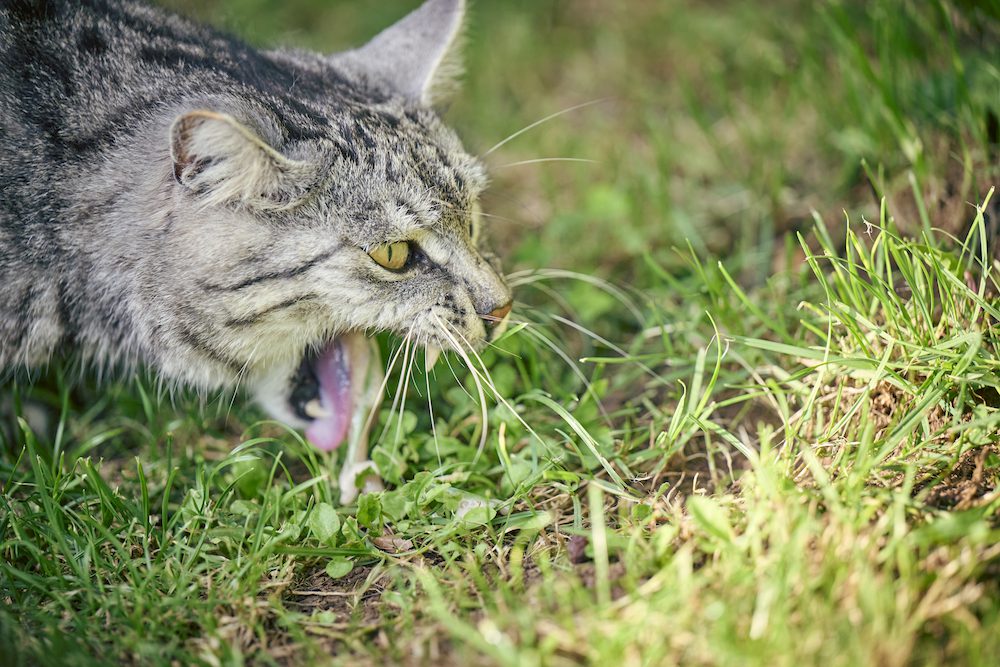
{"type": "Point", "coordinates": [419, 342]}
{"type": "Point", "coordinates": [455, 375]}
{"type": "Point", "coordinates": [400, 388]}
{"type": "Point", "coordinates": [554, 295]}
{"type": "Point", "coordinates": [430, 410]}
{"type": "Point", "coordinates": [496, 394]}
{"type": "Point", "coordinates": [604, 341]}
{"type": "Point", "coordinates": [239, 379]}
{"type": "Point", "coordinates": [540, 160]}
{"type": "Point", "coordinates": [545, 340]}
{"type": "Point", "coordinates": [519, 278]}
{"type": "Point", "coordinates": [484, 412]}
{"type": "Point", "coordinates": [542, 121]}
{"type": "Point", "coordinates": [404, 385]}
{"type": "Point", "coordinates": [500, 217]}
{"type": "Point", "coordinates": [381, 390]}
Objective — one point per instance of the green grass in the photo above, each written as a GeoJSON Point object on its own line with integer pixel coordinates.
{"type": "Point", "coordinates": [770, 438]}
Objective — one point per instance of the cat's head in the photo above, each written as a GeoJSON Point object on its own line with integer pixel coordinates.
{"type": "Point", "coordinates": [362, 217]}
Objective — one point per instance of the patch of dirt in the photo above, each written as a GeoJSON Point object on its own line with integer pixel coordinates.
{"type": "Point", "coordinates": [588, 576]}
{"type": "Point", "coordinates": [352, 597]}
{"type": "Point", "coordinates": [885, 402]}
{"type": "Point", "coordinates": [701, 470]}
{"type": "Point", "coordinates": [576, 549]}
{"type": "Point", "coordinates": [345, 608]}
{"type": "Point", "coordinates": [968, 482]}
{"type": "Point", "coordinates": [698, 468]}
{"type": "Point", "coordinates": [949, 199]}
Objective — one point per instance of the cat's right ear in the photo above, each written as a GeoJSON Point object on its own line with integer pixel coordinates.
{"type": "Point", "coordinates": [224, 162]}
{"type": "Point", "coordinates": [419, 57]}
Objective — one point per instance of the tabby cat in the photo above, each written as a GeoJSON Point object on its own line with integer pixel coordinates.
{"type": "Point", "coordinates": [173, 198]}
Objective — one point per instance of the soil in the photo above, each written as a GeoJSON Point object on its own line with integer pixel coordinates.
{"type": "Point", "coordinates": [968, 482]}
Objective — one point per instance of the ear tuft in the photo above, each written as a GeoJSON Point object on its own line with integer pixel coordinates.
{"type": "Point", "coordinates": [420, 56]}
{"type": "Point", "coordinates": [224, 162]}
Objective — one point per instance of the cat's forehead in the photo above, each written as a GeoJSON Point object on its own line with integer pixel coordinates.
{"type": "Point", "coordinates": [409, 172]}
{"type": "Point", "coordinates": [402, 144]}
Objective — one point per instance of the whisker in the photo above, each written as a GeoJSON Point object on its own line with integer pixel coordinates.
{"type": "Point", "coordinates": [381, 391]}
{"type": "Point", "coordinates": [527, 128]}
{"type": "Point", "coordinates": [430, 411]}
{"type": "Point", "coordinates": [404, 384]}
{"type": "Point", "coordinates": [239, 379]}
{"type": "Point", "coordinates": [572, 366]}
{"type": "Point", "coordinates": [496, 394]}
{"type": "Point", "coordinates": [604, 341]}
{"type": "Point", "coordinates": [455, 375]}
{"type": "Point", "coordinates": [448, 204]}
{"type": "Point", "coordinates": [520, 278]}
{"type": "Point", "coordinates": [484, 412]}
{"type": "Point", "coordinates": [540, 160]}
{"type": "Point", "coordinates": [492, 344]}
{"type": "Point", "coordinates": [400, 398]}
{"type": "Point", "coordinates": [500, 217]}
{"type": "Point", "coordinates": [416, 385]}
{"type": "Point", "coordinates": [553, 295]}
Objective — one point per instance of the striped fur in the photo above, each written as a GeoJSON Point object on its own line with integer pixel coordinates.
{"type": "Point", "coordinates": [172, 197]}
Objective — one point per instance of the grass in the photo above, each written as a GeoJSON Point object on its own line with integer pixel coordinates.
{"type": "Point", "coordinates": [780, 446]}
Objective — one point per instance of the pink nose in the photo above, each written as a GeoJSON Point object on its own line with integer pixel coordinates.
{"type": "Point", "coordinates": [495, 316]}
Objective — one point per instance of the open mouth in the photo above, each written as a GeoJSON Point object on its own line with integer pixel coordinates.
{"type": "Point", "coordinates": [334, 394]}
{"type": "Point", "coordinates": [336, 388]}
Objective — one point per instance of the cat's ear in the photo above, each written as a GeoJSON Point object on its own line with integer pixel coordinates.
{"type": "Point", "coordinates": [222, 161]}
{"type": "Point", "coordinates": [420, 56]}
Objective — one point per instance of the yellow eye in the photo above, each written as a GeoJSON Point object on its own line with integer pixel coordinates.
{"type": "Point", "coordinates": [392, 256]}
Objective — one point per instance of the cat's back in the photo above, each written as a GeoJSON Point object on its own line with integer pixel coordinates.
{"type": "Point", "coordinates": [88, 89]}
{"type": "Point", "coordinates": [75, 74]}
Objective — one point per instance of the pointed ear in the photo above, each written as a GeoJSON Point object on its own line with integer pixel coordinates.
{"type": "Point", "coordinates": [225, 162]}
{"type": "Point", "coordinates": [418, 57]}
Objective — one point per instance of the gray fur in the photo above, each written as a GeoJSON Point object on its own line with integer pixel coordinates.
{"type": "Point", "coordinates": [174, 198]}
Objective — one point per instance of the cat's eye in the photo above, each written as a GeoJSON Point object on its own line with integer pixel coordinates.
{"type": "Point", "coordinates": [391, 256]}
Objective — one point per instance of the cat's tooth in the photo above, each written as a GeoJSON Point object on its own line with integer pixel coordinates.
{"type": "Point", "coordinates": [431, 355]}
{"type": "Point", "coordinates": [316, 410]}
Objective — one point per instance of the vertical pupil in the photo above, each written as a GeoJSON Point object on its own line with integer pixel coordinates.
{"type": "Point", "coordinates": [388, 253]}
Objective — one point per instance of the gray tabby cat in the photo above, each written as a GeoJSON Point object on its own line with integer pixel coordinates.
{"type": "Point", "coordinates": [172, 197]}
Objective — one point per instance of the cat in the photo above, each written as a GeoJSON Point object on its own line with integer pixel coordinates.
{"type": "Point", "coordinates": [231, 217]}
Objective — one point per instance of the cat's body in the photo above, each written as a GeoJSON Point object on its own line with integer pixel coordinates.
{"type": "Point", "coordinates": [174, 198]}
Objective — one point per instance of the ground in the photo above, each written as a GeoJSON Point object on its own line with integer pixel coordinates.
{"type": "Point", "coordinates": [749, 415]}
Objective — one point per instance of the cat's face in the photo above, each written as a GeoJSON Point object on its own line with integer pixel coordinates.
{"type": "Point", "coordinates": [298, 246]}
{"type": "Point", "coordinates": [407, 221]}
{"type": "Point", "coordinates": [374, 226]}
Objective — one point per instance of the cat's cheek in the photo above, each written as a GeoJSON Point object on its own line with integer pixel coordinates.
{"type": "Point", "coordinates": [270, 390]}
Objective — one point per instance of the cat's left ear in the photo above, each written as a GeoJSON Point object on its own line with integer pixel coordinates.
{"type": "Point", "coordinates": [222, 161]}
{"type": "Point", "coordinates": [420, 56]}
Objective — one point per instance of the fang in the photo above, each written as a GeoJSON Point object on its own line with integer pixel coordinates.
{"type": "Point", "coordinates": [431, 355]}
{"type": "Point", "coordinates": [316, 410]}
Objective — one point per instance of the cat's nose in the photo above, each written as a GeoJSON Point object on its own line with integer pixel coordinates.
{"type": "Point", "coordinates": [495, 317]}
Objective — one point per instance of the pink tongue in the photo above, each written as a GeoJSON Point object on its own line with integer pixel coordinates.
{"type": "Point", "coordinates": [335, 396]}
